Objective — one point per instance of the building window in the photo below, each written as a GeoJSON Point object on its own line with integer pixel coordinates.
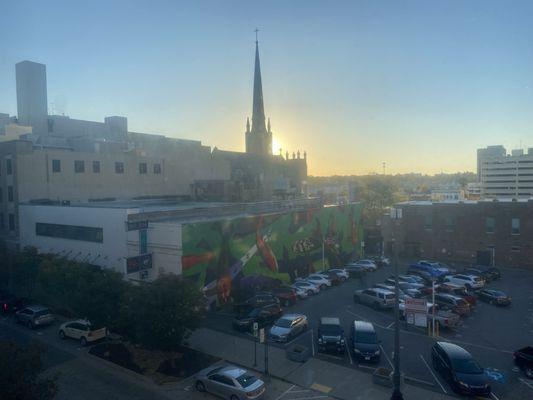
{"type": "Point", "coordinates": [56, 165]}
{"type": "Point", "coordinates": [157, 168]}
{"type": "Point", "coordinates": [83, 233]}
{"type": "Point", "coordinates": [490, 225]}
{"type": "Point", "coordinates": [143, 241]}
{"type": "Point", "coordinates": [11, 222]}
{"type": "Point", "coordinates": [79, 166]}
{"type": "Point", "coordinates": [515, 226]}
{"type": "Point", "coordinates": [143, 169]}
{"type": "Point", "coordinates": [9, 166]}
{"type": "Point", "coordinates": [96, 167]}
{"type": "Point", "coordinates": [119, 167]}
{"type": "Point", "coordinates": [10, 193]}
{"type": "Point", "coordinates": [450, 224]}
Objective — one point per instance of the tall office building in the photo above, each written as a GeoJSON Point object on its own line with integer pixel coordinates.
{"type": "Point", "coordinates": [32, 102]}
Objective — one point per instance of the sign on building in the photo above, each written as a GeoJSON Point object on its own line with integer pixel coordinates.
{"type": "Point", "coordinates": [136, 225]}
{"type": "Point", "coordinates": [138, 263]}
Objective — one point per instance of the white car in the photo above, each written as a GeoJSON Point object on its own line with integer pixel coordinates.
{"type": "Point", "coordinates": [319, 280]}
{"type": "Point", "coordinates": [309, 287]}
{"type": "Point", "coordinates": [466, 281]}
{"type": "Point", "coordinates": [368, 265]}
{"type": "Point", "coordinates": [81, 330]}
{"type": "Point", "coordinates": [340, 272]}
{"type": "Point", "coordinates": [300, 292]}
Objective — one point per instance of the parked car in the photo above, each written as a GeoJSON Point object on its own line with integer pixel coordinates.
{"type": "Point", "coordinates": [229, 382]}
{"type": "Point", "coordinates": [482, 273]}
{"type": "Point", "coordinates": [285, 294]}
{"type": "Point", "coordinates": [427, 271]}
{"type": "Point", "coordinates": [443, 318]}
{"type": "Point", "coordinates": [364, 341]}
{"type": "Point", "coordinates": [355, 270]}
{"type": "Point", "coordinates": [310, 287]}
{"type": "Point", "coordinates": [341, 273]}
{"type": "Point", "coordinates": [523, 359]}
{"type": "Point", "coordinates": [262, 299]}
{"type": "Point", "coordinates": [491, 273]}
{"type": "Point", "coordinates": [374, 297]}
{"type": "Point", "coordinates": [494, 296]}
{"type": "Point", "coordinates": [263, 316]}
{"type": "Point", "coordinates": [380, 261]}
{"type": "Point", "coordinates": [34, 316]}
{"type": "Point", "coordinates": [412, 279]}
{"type": "Point", "coordinates": [457, 290]}
{"type": "Point", "coordinates": [330, 335]}
{"type": "Point", "coordinates": [288, 327]}
{"type": "Point", "coordinates": [11, 304]}
{"type": "Point", "coordinates": [453, 303]}
{"type": "Point", "coordinates": [83, 331]}
{"type": "Point", "coordinates": [319, 280]}
{"type": "Point", "coordinates": [438, 265]}
{"type": "Point", "coordinates": [368, 265]}
{"type": "Point", "coordinates": [460, 369]}
{"type": "Point", "coordinates": [301, 293]}
{"type": "Point", "coordinates": [401, 293]}
{"type": "Point", "coordinates": [468, 281]}
{"type": "Point", "coordinates": [331, 276]}
{"type": "Point", "coordinates": [413, 285]}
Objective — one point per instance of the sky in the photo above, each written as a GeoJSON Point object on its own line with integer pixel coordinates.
{"type": "Point", "coordinates": [417, 85]}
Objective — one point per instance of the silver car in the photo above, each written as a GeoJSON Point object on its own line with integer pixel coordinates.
{"type": "Point", "coordinates": [288, 326]}
{"type": "Point", "coordinates": [34, 316]}
{"type": "Point", "coordinates": [229, 382]}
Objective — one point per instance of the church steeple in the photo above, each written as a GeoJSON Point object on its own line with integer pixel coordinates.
{"type": "Point", "coordinates": [258, 116]}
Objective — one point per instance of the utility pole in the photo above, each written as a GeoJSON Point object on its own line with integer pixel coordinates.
{"type": "Point", "coordinates": [323, 253]}
{"type": "Point", "coordinates": [396, 215]}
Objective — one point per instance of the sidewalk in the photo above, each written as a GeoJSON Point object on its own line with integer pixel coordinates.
{"type": "Point", "coordinates": [332, 379]}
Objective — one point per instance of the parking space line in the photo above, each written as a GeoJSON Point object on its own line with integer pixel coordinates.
{"type": "Point", "coordinates": [494, 396]}
{"type": "Point", "coordinates": [300, 391]}
{"type": "Point", "coordinates": [285, 392]}
{"type": "Point", "coordinates": [526, 383]}
{"type": "Point", "coordinates": [432, 373]}
{"type": "Point", "coordinates": [386, 356]}
{"type": "Point", "coordinates": [349, 352]}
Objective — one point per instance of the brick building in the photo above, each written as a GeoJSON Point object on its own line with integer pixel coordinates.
{"type": "Point", "coordinates": [465, 232]}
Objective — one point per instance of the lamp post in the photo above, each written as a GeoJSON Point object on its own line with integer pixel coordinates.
{"type": "Point", "coordinates": [323, 253]}
{"type": "Point", "coordinates": [396, 215]}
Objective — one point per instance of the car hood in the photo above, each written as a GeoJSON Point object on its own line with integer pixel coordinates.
{"type": "Point", "coordinates": [254, 386]}
{"type": "Point", "coordinates": [472, 379]}
{"type": "Point", "coordinates": [330, 338]}
{"type": "Point", "coordinates": [279, 331]}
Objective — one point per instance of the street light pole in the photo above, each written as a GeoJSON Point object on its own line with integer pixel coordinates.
{"type": "Point", "coordinates": [323, 257]}
{"type": "Point", "coordinates": [396, 393]}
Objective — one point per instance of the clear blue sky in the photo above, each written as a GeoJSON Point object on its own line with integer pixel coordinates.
{"type": "Point", "coordinates": [418, 84]}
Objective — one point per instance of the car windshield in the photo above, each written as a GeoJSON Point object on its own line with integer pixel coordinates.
{"type": "Point", "coordinates": [246, 380]}
{"type": "Point", "coordinates": [40, 313]}
{"type": "Point", "coordinates": [497, 293]}
{"type": "Point", "coordinates": [283, 323]}
{"type": "Point", "coordinates": [466, 366]}
{"type": "Point", "coordinates": [366, 337]}
{"type": "Point", "coordinates": [330, 330]}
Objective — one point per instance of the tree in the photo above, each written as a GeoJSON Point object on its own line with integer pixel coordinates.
{"type": "Point", "coordinates": [20, 369]}
{"type": "Point", "coordinates": [161, 314]}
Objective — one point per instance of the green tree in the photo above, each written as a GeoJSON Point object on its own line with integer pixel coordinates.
{"type": "Point", "coordinates": [161, 314]}
{"type": "Point", "coordinates": [20, 369]}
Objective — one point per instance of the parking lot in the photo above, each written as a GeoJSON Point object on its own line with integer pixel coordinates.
{"type": "Point", "coordinates": [490, 333]}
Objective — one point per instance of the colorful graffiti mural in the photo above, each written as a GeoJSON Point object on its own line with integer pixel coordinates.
{"type": "Point", "coordinates": [225, 254]}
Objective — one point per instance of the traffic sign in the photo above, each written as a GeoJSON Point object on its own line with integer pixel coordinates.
{"type": "Point", "coordinates": [416, 305]}
{"type": "Point", "coordinates": [262, 335]}
{"type": "Point", "coordinates": [256, 328]}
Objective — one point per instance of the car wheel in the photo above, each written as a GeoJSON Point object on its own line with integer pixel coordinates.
{"type": "Point", "coordinates": [322, 287]}
{"type": "Point", "coordinates": [529, 372]}
{"type": "Point", "coordinates": [62, 334]}
{"type": "Point", "coordinates": [83, 341]}
{"type": "Point", "coordinates": [491, 301]}
{"type": "Point", "coordinates": [343, 279]}
{"type": "Point", "coordinates": [200, 386]}
{"type": "Point", "coordinates": [309, 292]}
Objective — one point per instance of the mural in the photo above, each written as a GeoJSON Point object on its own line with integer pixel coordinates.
{"type": "Point", "coordinates": [255, 252]}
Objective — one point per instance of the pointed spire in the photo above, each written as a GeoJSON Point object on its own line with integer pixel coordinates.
{"type": "Point", "coordinates": [258, 116]}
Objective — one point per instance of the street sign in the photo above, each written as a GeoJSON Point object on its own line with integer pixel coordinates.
{"type": "Point", "coordinates": [256, 328]}
{"type": "Point", "coordinates": [138, 263]}
{"type": "Point", "coordinates": [416, 306]}
{"type": "Point", "coordinates": [262, 335]}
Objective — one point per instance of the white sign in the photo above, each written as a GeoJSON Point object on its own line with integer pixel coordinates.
{"type": "Point", "coordinates": [421, 319]}
{"type": "Point", "coordinates": [410, 318]}
{"type": "Point", "coordinates": [262, 335]}
{"type": "Point", "coordinates": [416, 306]}
{"type": "Point", "coordinates": [256, 328]}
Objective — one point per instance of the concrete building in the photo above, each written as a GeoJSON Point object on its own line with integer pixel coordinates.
{"type": "Point", "coordinates": [465, 232]}
{"type": "Point", "coordinates": [32, 98]}
{"type": "Point", "coordinates": [505, 175]}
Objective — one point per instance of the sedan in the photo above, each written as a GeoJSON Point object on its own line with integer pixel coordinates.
{"type": "Point", "coordinates": [319, 280]}
{"type": "Point", "coordinates": [229, 382]}
{"type": "Point", "coordinates": [494, 296]}
{"type": "Point", "coordinates": [301, 293]}
{"type": "Point", "coordinates": [288, 326]}
{"type": "Point", "coordinates": [369, 265]}
{"type": "Point", "coordinates": [310, 287]}
{"type": "Point", "coordinates": [340, 272]}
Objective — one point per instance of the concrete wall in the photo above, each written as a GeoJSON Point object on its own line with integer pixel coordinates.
{"type": "Point", "coordinates": [109, 254]}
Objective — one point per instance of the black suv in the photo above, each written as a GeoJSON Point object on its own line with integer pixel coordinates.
{"type": "Point", "coordinates": [458, 367]}
{"type": "Point", "coordinates": [330, 335]}
{"type": "Point", "coordinates": [263, 316]}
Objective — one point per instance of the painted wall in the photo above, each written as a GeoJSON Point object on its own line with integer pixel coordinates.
{"type": "Point", "coordinates": [223, 255]}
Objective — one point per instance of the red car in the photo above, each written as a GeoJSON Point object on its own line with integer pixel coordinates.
{"type": "Point", "coordinates": [457, 291]}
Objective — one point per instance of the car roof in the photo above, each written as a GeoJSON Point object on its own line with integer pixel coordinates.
{"type": "Point", "coordinates": [454, 350]}
{"type": "Point", "coordinates": [232, 371]}
{"type": "Point", "coordinates": [384, 291]}
{"type": "Point", "coordinates": [291, 316]}
{"type": "Point", "coordinates": [363, 326]}
{"type": "Point", "coordinates": [330, 321]}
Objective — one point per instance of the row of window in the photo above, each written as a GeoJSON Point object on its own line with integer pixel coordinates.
{"type": "Point", "coordinates": [10, 221]}
{"type": "Point", "coordinates": [73, 232]}
{"type": "Point", "coordinates": [9, 167]}
{"type": "Point", "coordinates": [490, 224]}
{"type": "Point", "coordinates": [79, 167]}
{"type": "Point", "coordinates": [9, 194]}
